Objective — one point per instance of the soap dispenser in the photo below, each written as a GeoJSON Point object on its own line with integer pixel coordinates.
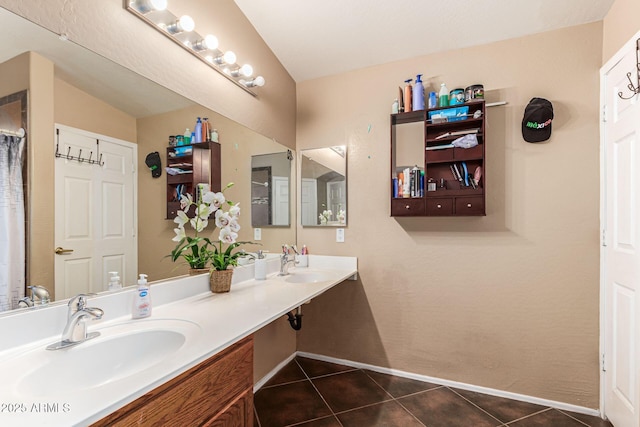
{"type": "Point", "coordinates": [141, 299]}
{"type": "Point", "coordinates": [260, 266]}
{"type": "Point", "coordinates": [114, 281]}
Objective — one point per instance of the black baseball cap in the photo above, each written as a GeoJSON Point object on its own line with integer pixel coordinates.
{"type": "Point", "coordinates": [536, 123]}
{"type": "Point", "coordinates": [153, 162]}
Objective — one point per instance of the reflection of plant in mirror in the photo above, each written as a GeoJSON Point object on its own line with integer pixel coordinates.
{"type": "Point", "coordinates": [325, 216]}
{"type": "Point", "coordinates": [342, 216]}
{"type": "Point", "coordinates": [195, 250]}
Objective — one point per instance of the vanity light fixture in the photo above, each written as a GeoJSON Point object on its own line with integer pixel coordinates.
{"type": "Point", "coordinates": [182, 31]}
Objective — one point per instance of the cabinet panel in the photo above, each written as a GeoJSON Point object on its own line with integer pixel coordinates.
{"type": "Point", "coordinates": [196, 396]}
{"type": "Point", "coordinates": [238, 414]}
{"type": "Point", "coordinates": [407, 207]}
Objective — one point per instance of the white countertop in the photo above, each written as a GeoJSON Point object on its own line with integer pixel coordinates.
{"type": "Point", "coordinates": [221, 319]}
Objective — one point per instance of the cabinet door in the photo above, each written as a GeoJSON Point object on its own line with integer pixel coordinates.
{"type": "Point", "coordinates": [238, 414]}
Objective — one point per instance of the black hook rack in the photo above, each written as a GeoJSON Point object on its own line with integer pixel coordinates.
{"type": "Point", "coordinates": [635, 89]}
{"type": "Point", "coordinates": [98, 161]}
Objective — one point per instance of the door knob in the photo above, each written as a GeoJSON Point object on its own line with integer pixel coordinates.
{"type": "Point", "coordinates": [62, 251]}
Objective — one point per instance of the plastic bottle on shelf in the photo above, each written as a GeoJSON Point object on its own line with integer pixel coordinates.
{"type": "Point", "coordinates": [114, 281]}
{"type": "Point", "coordinates": [198, 130]}
{"type": "Point", "coordinates": [395, 107]}
{"type": "Point", "coordinates": [214, 135]}
{"type": "Point", "coordinates": [443, 99]}
{"type": "Point", "coordinates": [418, 94]}
{"type": "Point", "coordinates": [187, 137]}
{"type": "Point", "coordinates": [206, 131]}
{"type": "Point", "coordinates": [408, 96]}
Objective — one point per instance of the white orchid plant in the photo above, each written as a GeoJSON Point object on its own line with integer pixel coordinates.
{"type": "Point", "coordinates": [325, 216]}
{"type": "Point", "coordinates": [199, 251]}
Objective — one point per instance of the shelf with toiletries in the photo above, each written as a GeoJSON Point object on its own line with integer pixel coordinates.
{"type": "Point", "coordinates": [451, 162]}
{"type": "Point", "coordinates": [189, 166]}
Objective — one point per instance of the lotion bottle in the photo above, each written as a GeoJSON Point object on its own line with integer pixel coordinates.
{"type": "Point", "coordinates": [418, 94]}
{"type": "Point", "coordinates": [114, 281]}
{"type": "Point", "coordinates": [260, 267]}
{"type": "Point", "coordinates": [141, 299]}
{"type": "Point", "coordinates": [408, 96]}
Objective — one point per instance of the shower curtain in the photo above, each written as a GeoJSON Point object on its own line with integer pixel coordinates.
{"type": "Point", "coordinates": [12, 228]}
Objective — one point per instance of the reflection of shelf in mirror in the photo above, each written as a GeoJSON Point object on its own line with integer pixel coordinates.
{"type": "Point", "coordinates": [180, 165]}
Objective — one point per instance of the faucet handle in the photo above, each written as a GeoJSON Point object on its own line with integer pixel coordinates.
{"type": "Point", "coordinates": [81, 302]}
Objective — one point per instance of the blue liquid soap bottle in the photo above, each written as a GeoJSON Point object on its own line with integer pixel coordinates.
{"type": "Point", "coordinates": [198, 131]}
{"type": "Point", "coordinates": [418, 94]}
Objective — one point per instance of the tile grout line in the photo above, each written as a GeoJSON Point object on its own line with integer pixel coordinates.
{"type": "Point", "coordinates": [393, 398]}
{"type": "Point", "coordinates": [318, 391]}
{"type": "Point", "coordinates": [255, 413]}
{"type": "Point", "coordinates": [472, 403]}
{"type": "Point", "coordinates": [568, 415]}
{"type": "Point", "coordinates": [527, 416]}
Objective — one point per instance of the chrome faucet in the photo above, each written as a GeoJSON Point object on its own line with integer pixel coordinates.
{"type": "Point", "coordinates": [38, 293]}
{"type": "Point", "coordinates": [75, 331]}
{"type": "Point", "coordinates": [286, 259]}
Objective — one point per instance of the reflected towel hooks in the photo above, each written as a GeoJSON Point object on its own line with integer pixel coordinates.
{"type": "Point", "coordinates": [635, 89]}
{"type": "Point", "coordinates": [90, 160]}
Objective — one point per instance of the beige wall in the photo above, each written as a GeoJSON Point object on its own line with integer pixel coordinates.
{"type": "Point", "coordinates": [108, 29]}
{"type": "Point", "coordinates": [80, 110]}
{"type": "Point", "coordinates": [507, 301]}
{"type": "Point", "coordinates": [619, 26]}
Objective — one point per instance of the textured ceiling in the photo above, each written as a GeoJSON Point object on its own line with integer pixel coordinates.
{"type": "Point", "coordinates": [315, 39]}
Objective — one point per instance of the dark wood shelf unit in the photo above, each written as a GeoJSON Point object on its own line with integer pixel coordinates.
{"type": "Point", "coordinates": [454, 198]}
{"type": "Point", "coordinates": [204, 164]}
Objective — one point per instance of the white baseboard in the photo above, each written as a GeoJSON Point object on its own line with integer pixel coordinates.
{"type": "Point", "coordinates": [257, 386]}
{"type": "Point", "coordinates": [448, 383]}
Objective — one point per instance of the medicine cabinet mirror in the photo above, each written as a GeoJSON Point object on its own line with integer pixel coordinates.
{"type": "Point", "coordinates": [323, 187]}
{"type": "Point", "coordinates": [271, 189]}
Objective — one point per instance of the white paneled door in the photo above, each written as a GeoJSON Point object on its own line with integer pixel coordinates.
{"type": "Point", "coordinates": [95, 213]}
{"type": "Point", "coordinates": [621, 243]}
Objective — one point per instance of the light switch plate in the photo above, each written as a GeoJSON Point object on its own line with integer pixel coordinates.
{"type": "Point", "coordinates": [257, 234]}
{"type": "Point", "coordinates": [340, 235]}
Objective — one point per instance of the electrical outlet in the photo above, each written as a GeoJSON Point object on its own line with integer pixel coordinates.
{"type": "Point", "coordinates": [257, 234]}
{"type": "Point", "coordinates": [340, 235]}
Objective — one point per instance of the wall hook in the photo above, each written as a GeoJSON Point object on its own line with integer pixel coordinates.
{"type": "Point", "coordinates": [634, 88]}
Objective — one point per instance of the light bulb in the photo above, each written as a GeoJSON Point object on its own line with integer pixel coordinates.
{"type": "Point", "coordinates": [229, 57]}
{"type": "Point", "coordinates": [146, 6]}
{"type": "Point", "coordinates": [246, 70]}
{"type": "Point", "coordinates": [208, 43]}
{"type": "Point", "coordinates": [259, 81]}
{"type": "Point", "coordinates": [187, 23]}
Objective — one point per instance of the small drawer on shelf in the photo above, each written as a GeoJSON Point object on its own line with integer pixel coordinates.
{"type": "Point", "coordinates": [442, 155]}
{"type": "Point", "coordinates": [407, 207]}
{"type": "Point", "coordinates": [473, 205]}
{"type": "Point", "coordinates": [439, 206]}
{"type": "Point", "coordinates": [468, 153]}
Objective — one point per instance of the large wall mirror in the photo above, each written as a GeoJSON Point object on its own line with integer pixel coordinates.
{"type": "Point", "coordinates": [323, 186]}
{"type": "Point", "coordinates": [74, 87]}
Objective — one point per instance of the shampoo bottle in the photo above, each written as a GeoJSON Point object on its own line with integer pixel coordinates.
{"type": "Point", "coordinates": [206, 132]}
{"type": "Point", "coordinates": [260, 267]}
{"type": "Point", "coordinates": [407, 96]}
{"type": "Point", "coordinates": [114, 281]}
{"type": "Point", "coordinates": [198, 130]}
{"type": "Point", "coordinates": [418, 94]}
{"type": "Point", "coordinates": [443, 99]}
{"type": "Point", "coordinates": [142, 299]}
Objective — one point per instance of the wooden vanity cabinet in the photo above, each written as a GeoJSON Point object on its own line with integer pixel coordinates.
{"type": "Point", "coordinates": [216, 393]}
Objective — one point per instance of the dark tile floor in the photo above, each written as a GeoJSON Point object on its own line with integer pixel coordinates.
{"type": "Point", "coordinates": [312, 393]}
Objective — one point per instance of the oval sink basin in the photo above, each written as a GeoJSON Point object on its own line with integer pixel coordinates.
{"type": "Point", "coordinates": [120, 351]}
{"type": "Point", "coordinates": [307, 277]}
